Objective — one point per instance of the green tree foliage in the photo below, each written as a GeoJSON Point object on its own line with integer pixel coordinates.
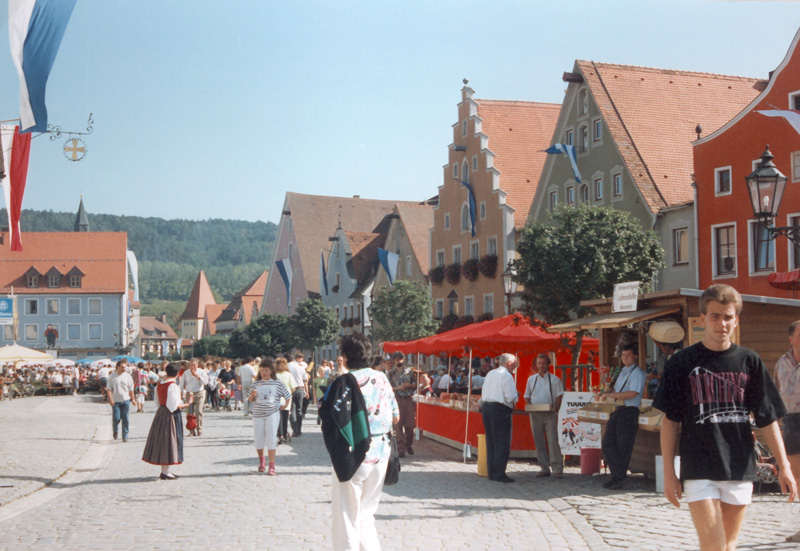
{"type": "Point", "coordinates": [212, 346]}
{"type": "Point", "coordinates": [403, 312]}
{"type": "Point", "coordinates": [580, 255]}
{"type": "Point", "coordinates": [313, 325]}
{"type": "Point", "coordinates": [173, 310]}
{"type": "Point", "coordinates": [267, 335]}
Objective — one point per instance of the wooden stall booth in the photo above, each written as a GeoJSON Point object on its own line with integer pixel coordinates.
{"type": "Point", "coordinates": [763, 327]}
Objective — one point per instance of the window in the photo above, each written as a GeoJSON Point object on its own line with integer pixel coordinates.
{"type": "Point", "coordinates": [452, 306]}
{"type": "Point", "coordinates": [680, 246]}
{"type": "Point", "coordinates": [491, 245]}
{"type": "Point", "coordinates": [483, 210]}
{"type": "Point", "coordinates": [32, 332]}
{"type": "Point", "coordinates": [439, 312]}
{"type": "Point", "coordinates": [597, 130]}
{"type": "Point", "coordinates": [469, 306]}
{"type": "Point", "coordinates": [474, 163]}
{"type": "Point", "coordinates": [33, 281]}
{"type": "Point", "coordinates": [95, 306]}
{"type": "Point", "coordinates": [31, 306]}
{"type": "Point", "coordinates": [289, 225]}
{"type": "Point", "coordinates": [95, 331]}
{"type": "Point", "coordinates": [73, 306]}
{"type": "Point", "coordinates": [725, 250]}
{"type": "Point", "coordinates": [583, 192]}
{"type": "Point", "coordinates": [571, 195]}
{"type": "Point", "coordinates": [722, 180]}
{"type": "Point", "coordinates": [794, 101]}
{"type": "Point", "coordinates": [75, 281]}
{"type": "Point", "coordinates": [569, 137]}
{"type": "Point", "coordinates": [583, 139]}
{"type": "Point", "coordinates": [447, 221]}
{"type": "Point", "coordinates": [583, 102]}
{"type": "Point", "coordinates": [794, 250]}
{"type": "Point", "coordinates": [408, 265]}
{"type": "Point", "coordinates": [616, 185]}
{"type": "Point", "coordinates": [488, 304]}
{"type": "Point", "coordinates": [474, 250]}
{"type": "Point", "coordinates": [291, 251]}
{"type": "Point", "coordinates": [8, 332]}
{"type": "Point", "coordinates": [762, 248]}
{"type": "Point", "coordinates": [455, 170]}
{"type": "Point", "coordinates": [465, 172]}
{"type": "Point", "coordinates": [73, 332]}
{"type": "Point", "coordinates": [440, 258]}
{"type": "Point", "coordinates": [598, 189]}
{"type": "Point", "coordinates": [465, 222]}
{"type": "Point", "coordinates": [53, 281]}
{"type": "Point", "coordinates": [457, 254]}
{"type": "Point", "coordinates": [464, 127]}
{"type": "Point", "coordinates": [796, 166]}
{"type": "Point", "coordinates": [52, 306]}
{"type": "Point", "coordinates": [553, 200]}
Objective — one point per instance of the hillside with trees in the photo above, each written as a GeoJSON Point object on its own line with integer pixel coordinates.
{"type": "Point", "coordinates": [171, 252]}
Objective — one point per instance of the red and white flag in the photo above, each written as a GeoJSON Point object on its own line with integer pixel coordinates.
{"type": "Point", "coordinates": [16, 152]}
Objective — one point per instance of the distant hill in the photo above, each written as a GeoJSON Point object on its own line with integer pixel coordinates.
{"type": "Point", "coordinates": [171, 252]}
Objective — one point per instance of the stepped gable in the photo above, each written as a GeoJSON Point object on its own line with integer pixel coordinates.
{"type": "Point", "coordinates": [200, 298]}
{"type": "Point", "coordinates": [518, 132]}
{"type": "Point", "coordinates": [99, 257]}
{"type": "Point", "coordinates": [651, 115]}
{"type": "Point", "coordinates": [417, 220]}
{"type": "Point", "coordinates": [316, 217]}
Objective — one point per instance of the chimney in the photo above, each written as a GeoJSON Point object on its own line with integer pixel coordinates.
{"type": "Point", "coordinates": [162, 318]}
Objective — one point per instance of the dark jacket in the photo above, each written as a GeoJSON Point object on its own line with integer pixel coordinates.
{"type": "Point", "coordinates": [345, 425]}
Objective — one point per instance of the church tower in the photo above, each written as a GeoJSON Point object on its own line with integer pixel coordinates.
{"type": "Point", "coordinates": [81, 220]}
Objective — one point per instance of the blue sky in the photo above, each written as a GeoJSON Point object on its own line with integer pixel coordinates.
{"type": "Point", "coordinates": [210, 109]}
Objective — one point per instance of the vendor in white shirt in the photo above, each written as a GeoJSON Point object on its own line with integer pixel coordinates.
{"type": "Point", "coordinates": [498, 399]}
{"type": "Point", "coordinates": [544, 388]}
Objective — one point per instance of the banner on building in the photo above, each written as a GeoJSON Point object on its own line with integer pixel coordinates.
{"type": "Point", "coordinates": [6, 311]}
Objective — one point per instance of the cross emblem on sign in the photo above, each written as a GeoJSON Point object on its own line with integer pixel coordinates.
{"type": "Point", "coordinates": [74, 149]}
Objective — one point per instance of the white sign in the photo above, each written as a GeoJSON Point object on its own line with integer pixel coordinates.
{"type": "Point", "coordinates": [574, 434]}
{"type": "Point", "coordinates": [626, 295]}
{"type": "Point", "coordinates": [6, 311]}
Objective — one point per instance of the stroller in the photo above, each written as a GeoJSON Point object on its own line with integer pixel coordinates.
{"type": "Point", "coordinates": [224, 397]}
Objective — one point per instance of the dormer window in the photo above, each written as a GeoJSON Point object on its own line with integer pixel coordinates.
{"type": "Point", "coordinates": [53, 281]}
{"type": "Point", "coordinates": [75, 281]}
{"type": "Point", "coordinates": [33, 281]}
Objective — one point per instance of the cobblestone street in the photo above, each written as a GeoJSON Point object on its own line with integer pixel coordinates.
{"type": "Point", "coordinates": [73, 487]}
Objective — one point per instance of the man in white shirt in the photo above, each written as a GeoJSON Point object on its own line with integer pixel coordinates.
{"type": "Point", "coordinates": [498, 397]}
{"type": "Point", "coordinates": [245, 375]}
{"type": "Point", "coordinates": [194, 382]}
{"type": "Point", "coordinates": [544, 388]}
{"type": "Point", "coordinates": [297, 368]}
{"type": "Point", "coordinates": [120, 394]}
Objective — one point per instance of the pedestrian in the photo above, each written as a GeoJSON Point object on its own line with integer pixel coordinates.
{"type": "Point", "coordinates": [787, 379]}
{"type": "Point", "coordinates": [498, 399]}
{"type": "Point", "coordinates": [355, 501]}
{"type": "Point", "coordinates": [707, 394]}
{"type": "Point", "coordinates": [620, 433]}
{"type": "Point", "coordinates": [299, 393]}
{"type": "Point", "coordinates": [244, 378]}
{"type": "Point", "coordinates": [283, 375]}
{"type": "Point", "coordinates": [213, 384]}
{"type": "Point", "coordinates": [544, 388]}
{"type": "Point", "coordinates": [120, 395]}
{"type": "Point", "coordinates": [404, 385]}
{"type": "Point", "coordinates": [164, 444]}
{"type": "Point", "coordinates": [194, 383]}
{"type": "Point", "coordinates": [265, 395]}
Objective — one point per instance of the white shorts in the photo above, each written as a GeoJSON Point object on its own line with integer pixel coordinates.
{"type": "Point", "coordinates": [732, 492]}
{"type": "Point", "coordinates": [265, 431]}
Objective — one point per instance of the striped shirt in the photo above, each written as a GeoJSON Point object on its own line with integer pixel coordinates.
{"type": "Point", "coordinates": [268, 396]}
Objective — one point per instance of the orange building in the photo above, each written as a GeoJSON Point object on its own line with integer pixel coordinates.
{"type": "Point", "coordinates": [733, 247]}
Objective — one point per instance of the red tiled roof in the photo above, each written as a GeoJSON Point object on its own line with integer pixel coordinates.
{"type": "Point", "coordinates": [652, 114]}
{"type": "Point", "coordinates": [200, 298]}
{"type": "Point", "coordinates": [256, 287]}
{"type": "Point", "coordinates": [100, 256]}
{"type": "Point", "coordinates": [152, 328]}
{"type": "Point", "coordinates": [417, 221]}
{"type": "Point", "coordinates": [364, 251]}
{"type": "Point", "coordinates": [518, 131]}
{"type": "Point", "coordinates": [212, 313]}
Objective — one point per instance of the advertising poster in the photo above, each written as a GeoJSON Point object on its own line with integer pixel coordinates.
{"type": "Point", "coordinates": [575, 434]}
{"type": "Point", "coordinates": [6, 311]}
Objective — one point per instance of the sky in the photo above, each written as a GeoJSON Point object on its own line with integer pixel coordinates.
{"type": "Point", "coordinates": [210, 109]}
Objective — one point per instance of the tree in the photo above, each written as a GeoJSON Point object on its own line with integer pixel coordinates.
{"type": "Point", "coordinates": [403, 312]}
{"type": "Point", "coordinates": [211, 346]}
{"type": "Point", "coordinates": [313, 325]}
{"type": "Point", "coordinates": [267, 335]}
{"type": "Point", "coordinates": [580, 255]}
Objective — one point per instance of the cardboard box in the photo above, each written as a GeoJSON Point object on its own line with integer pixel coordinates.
{"type": "Point", "coordinates": [539, 407]}
{"type": "Point", "coordinates": [596, 411]}
{"type": "Point", "coordinates": [650, 419]}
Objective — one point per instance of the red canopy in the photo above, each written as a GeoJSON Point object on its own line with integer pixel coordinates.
{"type": "Point", "coordinates": [513, 333]}
{"type": "Point", "coordinates": [788, 281]}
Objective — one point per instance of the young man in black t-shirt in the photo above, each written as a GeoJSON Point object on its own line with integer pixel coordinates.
{"type": "Point", "coordinates": [707, 394]}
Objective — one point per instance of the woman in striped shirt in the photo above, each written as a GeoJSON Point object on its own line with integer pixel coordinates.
{"type": "Point", "coordinates": [265, 395]}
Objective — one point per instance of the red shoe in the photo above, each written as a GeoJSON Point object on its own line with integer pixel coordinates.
{"type": "Point", "coordinates": [262, 465]}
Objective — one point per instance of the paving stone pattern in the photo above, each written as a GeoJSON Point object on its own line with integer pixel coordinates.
{"type": "Point", "coordinates": [110, 499]}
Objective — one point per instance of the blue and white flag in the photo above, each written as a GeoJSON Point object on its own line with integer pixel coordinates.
{"type": "Point", "coordinates": [472, 209]}
{"type": "Point", "coordinates": [35, 30]}
{"type": "Point", "coordinates": [792, 117]}
{"type": "Point", "coordinates": [323, 275]}
{"type": "Point", "coordinates": [389, 262]}
{"type": "Point", "coordinates": [285, 269]}
{"type": "Point", "coordinates": [133, 266]}
{"type": "Point", "coordinates": [570, 151]}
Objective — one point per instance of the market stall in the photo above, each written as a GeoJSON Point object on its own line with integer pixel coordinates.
{"type": "Point", "coordinates": [457, 420]}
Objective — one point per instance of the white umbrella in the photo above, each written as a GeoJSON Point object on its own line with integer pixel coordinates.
{"type": "Point", "coordinates": [97, 364]}
{"type": "Point", "coordinates": [15, 352]}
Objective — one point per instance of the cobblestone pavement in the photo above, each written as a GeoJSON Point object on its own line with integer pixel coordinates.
{"type": "Point", "coordinates": [109, 499]}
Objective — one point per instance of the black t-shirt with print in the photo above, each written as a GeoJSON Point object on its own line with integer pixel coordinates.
{"type": "Point", "coordinates": [711, 395]}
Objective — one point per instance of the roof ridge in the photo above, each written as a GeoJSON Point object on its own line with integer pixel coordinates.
{"type": "Point", "coordinates": [525, 102]}
{"type": "Point", "coordinates": [669, 71]}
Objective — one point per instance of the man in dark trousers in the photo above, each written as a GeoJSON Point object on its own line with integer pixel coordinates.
{"type": "Point", "coordinates": [498, 399]}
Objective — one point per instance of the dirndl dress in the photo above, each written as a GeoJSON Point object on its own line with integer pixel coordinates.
{"type": "Point", "coordinates": [164, 444]}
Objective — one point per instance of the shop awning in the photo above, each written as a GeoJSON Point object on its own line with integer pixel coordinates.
{"type": "Point", "coordinates": [610, 321]}
{"type": "Point", "coordinates": [789, 281]}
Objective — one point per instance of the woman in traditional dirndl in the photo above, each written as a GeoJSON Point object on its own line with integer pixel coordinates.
{"type": "Point", "coordinates": [165, 441]}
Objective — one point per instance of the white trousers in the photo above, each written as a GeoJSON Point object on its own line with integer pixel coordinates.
{"type": "Point", "coordinates": [353, 508]}
{"type": "Point", "coordinates": [265, 431]}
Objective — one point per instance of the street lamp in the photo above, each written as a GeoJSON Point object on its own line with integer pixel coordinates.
{"type": "Point", "coordinates": [766, 185]}
{"type": "Point", "coordinates": [510, 285]}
